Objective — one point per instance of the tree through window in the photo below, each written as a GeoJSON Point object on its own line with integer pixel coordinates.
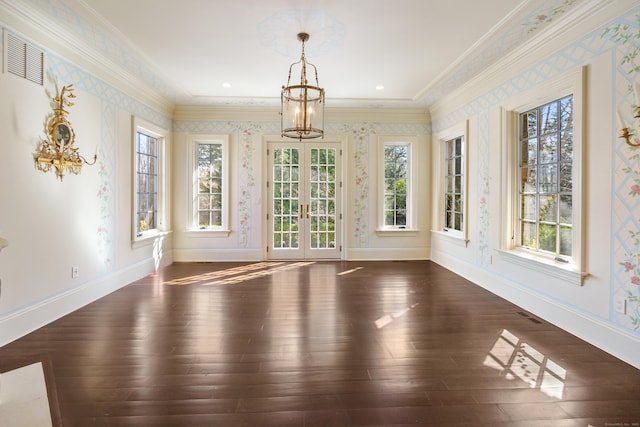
{"type": "Point", "coordinates": [396, 175]}
{"type": "Point", "coordinates": [546, 184]}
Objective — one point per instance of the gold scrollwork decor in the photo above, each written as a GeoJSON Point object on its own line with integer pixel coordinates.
{"type": "Point", "coordinates": [58, 152]}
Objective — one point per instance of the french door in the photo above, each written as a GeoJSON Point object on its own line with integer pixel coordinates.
{"type": "Point", "coordinates": [304, 188]}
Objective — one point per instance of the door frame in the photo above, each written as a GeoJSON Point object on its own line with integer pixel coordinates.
{"type": "Point", "coordinates": [341, 140]}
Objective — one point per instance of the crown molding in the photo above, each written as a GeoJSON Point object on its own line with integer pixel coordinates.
{"type": "Point", "coordinates": [481, 43]}
{"type": "Point", "coordinates": [585, 19]}
{"type": "Point", "coordinates": [272, 113]}
{"type": "Point", "coordinates": [28, 22]}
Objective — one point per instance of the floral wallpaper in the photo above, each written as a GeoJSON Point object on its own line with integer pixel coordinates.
{"type": "Point", "coordinates": [626, 37]}
{"type": "Point", "coordinates": [484, 188]}
{"type": "Point", "coordinates": [361, 208]}
{"type": "Point", "coordinates": [622, 38]}
{"type": "Point", "coordinates": [247, 180]}
{"type": "Point", "coordinates": [105, 194]}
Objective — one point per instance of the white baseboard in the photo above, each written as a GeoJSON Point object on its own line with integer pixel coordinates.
{"type": "Point", "coordinates": [212, 255]}
{"type": "Point", "coordinates": [387, 254]}
{"type": "Point", "coordinates": [26, 320]}
{"type": "Point", "coordinates": [618, 342]}
{"type": "Point", "coordinates": [248, 255]}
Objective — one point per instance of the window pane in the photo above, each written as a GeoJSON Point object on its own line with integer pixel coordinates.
{"type": "Point", "coordinates": [203, 202]}
{"type": "Point", "coordinates": [566, 112]}
{"type": "Point", "coordinates": [203, 219]}
{"type": "Point", "coordinates": [529, 207]}
{"type": "Point", "coordinates": [549, 118]}
{"type": "Point", "coordinates": [389, 202]}
{"type": "Point", "coordinates": [566, 180]}
{"type": "Point", "coordinates": [548, 178]}
{"type": "Point", "coordinates": [210, 184]}
{"type": "Point", "coordinates": [458, 205]}
{"type": "Point", "coordinates": [448, 183]}
{"type": "Point", "coordinates": [548, 209]}
{"type": "Point", "coordinates": [458, 147]}
{"type": "Point", "coordinates": [547, 225]}
{"type": "Point", "coordinates": [529, 153]}
{"type": "Point", "coordinates": [454, 184]}
{"type": "Point", "coordinates": [528, 180]}
{"type": "Point", "coordinates": [216, 218]}
{"type": "Point", "coordinates": [565, 240]}
{"type": "Point", "coordinates": [566, 209]}
{"type": "Point", "coordinates": [146, 181]}
{"type": "Point", "coordinates": [566, 145]}
{"type": "Point", "coordinates": [529, 234]}
{"type": "Point", "coordinates": [548, 237]}
{"type": "Point", "coordinates": [548, 148]}
{"type": "Point", "coordinates": [529, 125]}
{"type": "Point", "coordinates": [395, 184]}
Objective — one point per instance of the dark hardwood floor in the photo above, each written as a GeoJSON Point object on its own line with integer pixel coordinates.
{"type": "Point", "coordinates": [320, 344]}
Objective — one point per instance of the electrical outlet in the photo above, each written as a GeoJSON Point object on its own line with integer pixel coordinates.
{"type": "Point", "coordinates": [620, 304]}
{"type": "Point", "coordinates": [75, 272]}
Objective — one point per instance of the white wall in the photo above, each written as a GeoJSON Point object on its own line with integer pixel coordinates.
{"type": "Point", "coordinates": [85, 220]}
{"type": "Point", "coordinates": [249, 131]}
{"type": "Point", "coordinates": [586, 310]}
{"type": "Point", "coordinates": [82, 221]}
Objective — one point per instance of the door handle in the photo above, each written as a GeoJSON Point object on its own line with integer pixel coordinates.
{"type": "Point", "coordinates": [307, 211]}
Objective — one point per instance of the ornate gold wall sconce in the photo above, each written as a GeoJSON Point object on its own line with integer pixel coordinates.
{"type": "Point", "coordinates": [58, 152]}
{"type": "Point", "coordinates": [625, 131]}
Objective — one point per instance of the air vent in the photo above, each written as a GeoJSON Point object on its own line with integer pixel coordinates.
{"type": "Point", "coordinates": [25, 60]}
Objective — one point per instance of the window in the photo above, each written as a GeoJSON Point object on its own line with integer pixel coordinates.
{"type": "Point", "coordinates": [396, 177]}
{"type": "Point", "coordinates": [450, 179]}
{"type": "Point", "coordinates": [210, 182]}
{"type": "Point", "coordinates": [454, 185]}
{"type": "Point", "coordinates": [545, 190]}
{"type": "Point", "coordinates": [396, 207]}
{"type": "Point", "coordinates": [542, 187]}
{"type": "Point", "coordinates": [148, 186]}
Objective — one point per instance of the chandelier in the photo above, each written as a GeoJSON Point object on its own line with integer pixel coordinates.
{"type": "Point", "coordinates": [302, 110]}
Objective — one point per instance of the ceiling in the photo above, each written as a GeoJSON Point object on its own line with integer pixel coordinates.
{"type": "Point", "coordinates": [221, 52]}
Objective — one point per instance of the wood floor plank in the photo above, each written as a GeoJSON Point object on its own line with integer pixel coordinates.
{"type": "Point", "coordinates": [320, 344]}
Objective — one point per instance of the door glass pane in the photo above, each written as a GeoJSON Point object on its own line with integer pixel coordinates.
{"type": "Point", "coordinates": [322, 198]}
{"type": "Point", "coordinates": [285, 190]}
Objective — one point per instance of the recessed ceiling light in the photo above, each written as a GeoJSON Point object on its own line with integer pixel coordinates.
{"type": "Point", "coordinates": [379, 87]}
{"type": "Point", "coordinates": [225, 84]}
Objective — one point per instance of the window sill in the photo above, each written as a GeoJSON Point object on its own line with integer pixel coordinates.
{"type": "Point", "coordinates": [149, 238]}
{"type": "Point", "coordinates": [207, 232]}
{"type": "Point", "coordinates": [559, 270]}
{"type": "Point", "coordinates": [458, 240]}
{"type": "Point", "coordinates": [395, 232]}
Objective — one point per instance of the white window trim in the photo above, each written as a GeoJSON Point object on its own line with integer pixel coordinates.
{"type": "Point", "coordinates": [193, 229]}
{"type": "Point", "coordinates": [567, 84]}
{"type": "Point", "coordinates": [412, 217]}
{"type": "Point", "coordinates": [150, 236]}
{"type": "Point", "coordinates": [460, 238]}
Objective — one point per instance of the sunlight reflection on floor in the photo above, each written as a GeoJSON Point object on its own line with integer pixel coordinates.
{"type": "Point", "coordinates": [518, 360]}
{"type": "Point", "coordinates": [389, 318]}
{"type": "Point", "coordinates": [237, 274]}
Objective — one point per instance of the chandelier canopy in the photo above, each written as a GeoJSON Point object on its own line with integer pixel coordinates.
{"type": "Point", "coordinates": [302, 105]}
